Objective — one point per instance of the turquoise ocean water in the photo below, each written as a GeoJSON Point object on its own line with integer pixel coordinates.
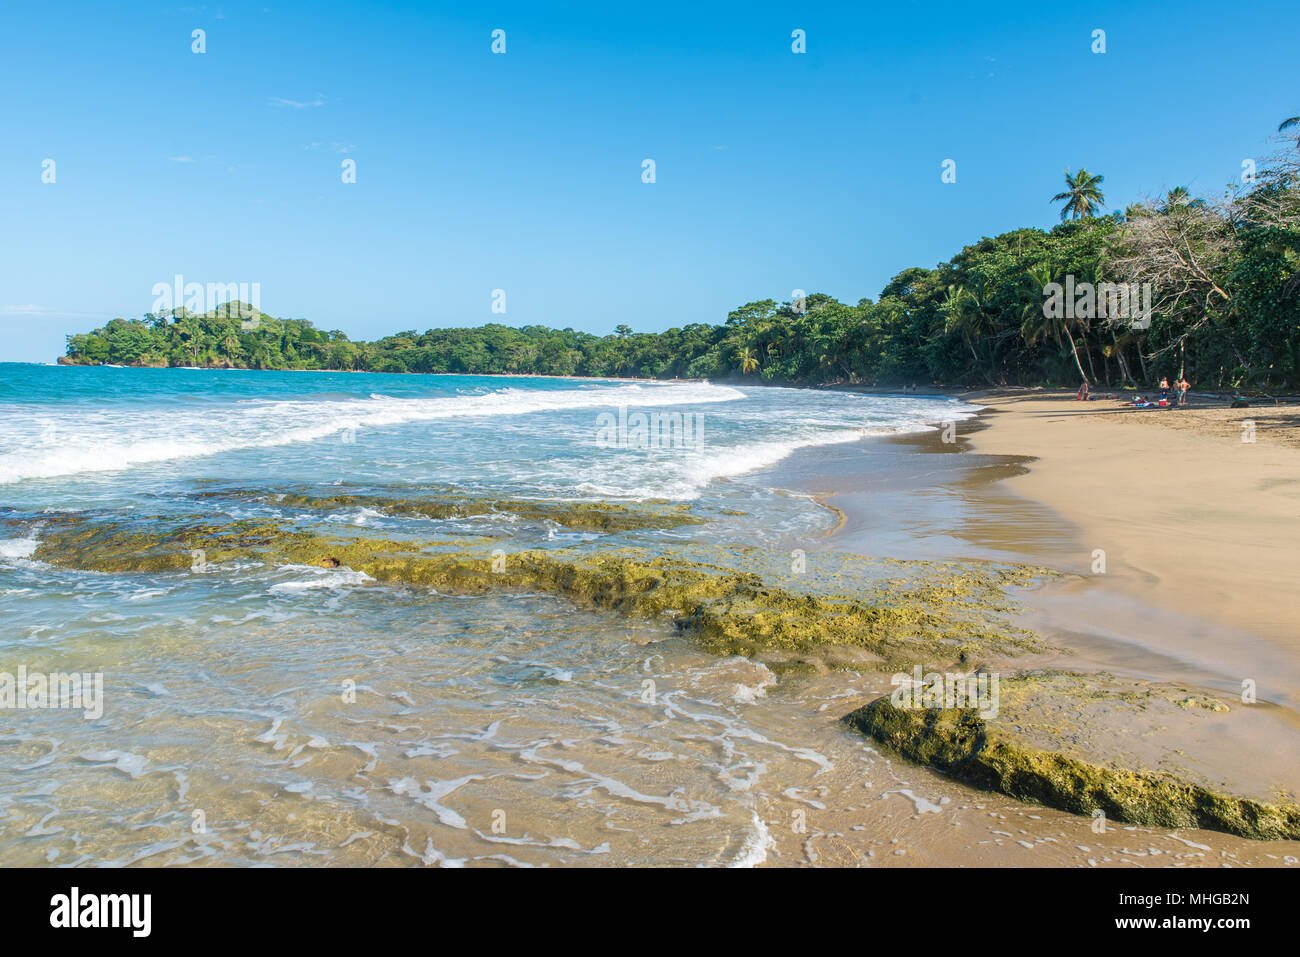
{"type": "Point", "coordinates": [506, 729]}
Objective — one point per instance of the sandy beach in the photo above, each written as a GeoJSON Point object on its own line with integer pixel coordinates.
{"type": "Point", "coordinates": [1176, 655]}
{"type": "Point", "coordinates": [1200, 532]}
{"type": "Point", "coordinates": [1191, 518]}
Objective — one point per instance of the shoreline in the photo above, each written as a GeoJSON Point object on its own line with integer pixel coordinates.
{"type": "Point", "coordinates": [1130, 635]}
{"type": "Point", "coordinates": [787, 661]}
{"type": "Point", "coordinates": [1193, 522]}
{"type": "Point", "coordinates": [918, 390]}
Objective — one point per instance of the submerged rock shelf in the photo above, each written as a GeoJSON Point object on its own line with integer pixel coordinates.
{"type": "Point", "coordinates": [850, 612]}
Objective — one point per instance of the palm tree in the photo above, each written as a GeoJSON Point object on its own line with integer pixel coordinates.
{"type": "Point", "coordinates": [231, 345]}
{"type": "Point", "coordinates": [957, 317]}
{"type": "Point", "coordinates": [748, 361]}
{"type": "Point", "coordinates": [191, 328]}
{"type": "Point", "coordinates": [971, 310]}
{"type": "Point", "coordinates": [1179, 198]}
{"type": "Point", "coordinates": [1036, 324]}
{"type": "Point", "coordinates": [1083, 197]}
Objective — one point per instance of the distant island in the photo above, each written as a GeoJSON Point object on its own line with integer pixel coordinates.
{"type": "Point", "coordinates": [1166, 288]}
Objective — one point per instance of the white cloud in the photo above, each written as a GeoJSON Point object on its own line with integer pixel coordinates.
{"type": "Point", "coordinates": [32, 311]}
{"type": "Point", "coordinates": [298, 104]}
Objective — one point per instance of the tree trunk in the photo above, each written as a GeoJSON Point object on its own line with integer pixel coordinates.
{"type": "Point", "coordinates": [1077, 364]}
{"type": "Point", "coordinates": [1125, 377]}
{"type": "Point", "coordinates": [1088, 353]}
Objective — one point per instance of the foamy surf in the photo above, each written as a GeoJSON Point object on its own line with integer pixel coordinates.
{"type": "Point", "coordinates": [84, 440]}
{"type": "Point", "coordinates": [11, 548]}
{"type": "Point", "coordinates": [758, 841]}
{"type": "Point", "coordinates": [313, 579]}
{"type": "Point", "coordinates": [347, 700]}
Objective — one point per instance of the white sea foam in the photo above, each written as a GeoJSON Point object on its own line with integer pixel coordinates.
{"type": "Point", "coordinates": [97, 440]}
{"type": "Point", "coordinates": [757, 843]}
{"type": "Point", "coordinates": [319, 578]}
{"type": "Point", "coordinates": [132, 765]}
{"type": "Point", "coordinates": [437, 790]}
{"type": "Point", "coordinates": [922, 805]}
{"type": "Point", "coordinates": [682, 474]}
{"type": "Point", "coordinates": [17, 547]}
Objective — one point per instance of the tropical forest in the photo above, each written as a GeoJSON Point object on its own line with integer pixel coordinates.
{"type": "Point", "coordinates": [1223, 275]}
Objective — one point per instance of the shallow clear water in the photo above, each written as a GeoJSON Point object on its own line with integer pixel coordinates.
{"type": "Point", "coordinates": [256, 714]}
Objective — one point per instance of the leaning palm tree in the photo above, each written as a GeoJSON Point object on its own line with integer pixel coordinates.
{"type": "Point", "coordinates": [1083, 196]}
{"type": "Point", "coordinates": [1036, 324]}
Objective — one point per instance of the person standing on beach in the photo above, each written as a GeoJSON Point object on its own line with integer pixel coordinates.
{"type": "Point", "coordinates": [1183, 386]}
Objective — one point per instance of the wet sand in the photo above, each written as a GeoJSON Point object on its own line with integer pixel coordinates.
{"type": "Point", "coordinates": [1192, 520]}
{"type": "Point", "coordinates": [1015, 485]}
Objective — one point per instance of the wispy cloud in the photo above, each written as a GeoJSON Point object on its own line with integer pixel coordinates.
{"type": "Point", "coordinates": [298, 104]}
{"type": "Point", "coordinates": [182, 159]}
{"type": "Point", "coordinates": [334, 147]}
{"type": "Point", "coordinates": [32, 311]}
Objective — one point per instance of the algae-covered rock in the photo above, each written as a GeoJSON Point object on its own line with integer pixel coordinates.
{"type": "Point", "coordinates": [77, 541]}
{"type": "Point", "coordinates": [961, 743]}
{"type": "Point", "coordinates": [941, 614]}
{"type": "Point", "coordinates": [844, 614]}
{"type": "Point", "coordinates": [1205, 702]}
{"type": "Point", "coordinates": [584, 516]}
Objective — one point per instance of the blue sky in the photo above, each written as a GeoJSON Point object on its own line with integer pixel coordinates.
{"type": "Point", "coordinates": [522, 171]}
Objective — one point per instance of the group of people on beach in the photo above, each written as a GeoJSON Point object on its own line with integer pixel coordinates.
{"type": "Point", "coordinates": [1182, 387]}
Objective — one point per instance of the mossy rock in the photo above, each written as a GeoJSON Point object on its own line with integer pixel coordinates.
{"type": "Point", "coordinates": [961, 743]}
{"type": "Point", "coordinates": [943, 616]}
{"type": "Point", "coordinates": [582, 516]}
